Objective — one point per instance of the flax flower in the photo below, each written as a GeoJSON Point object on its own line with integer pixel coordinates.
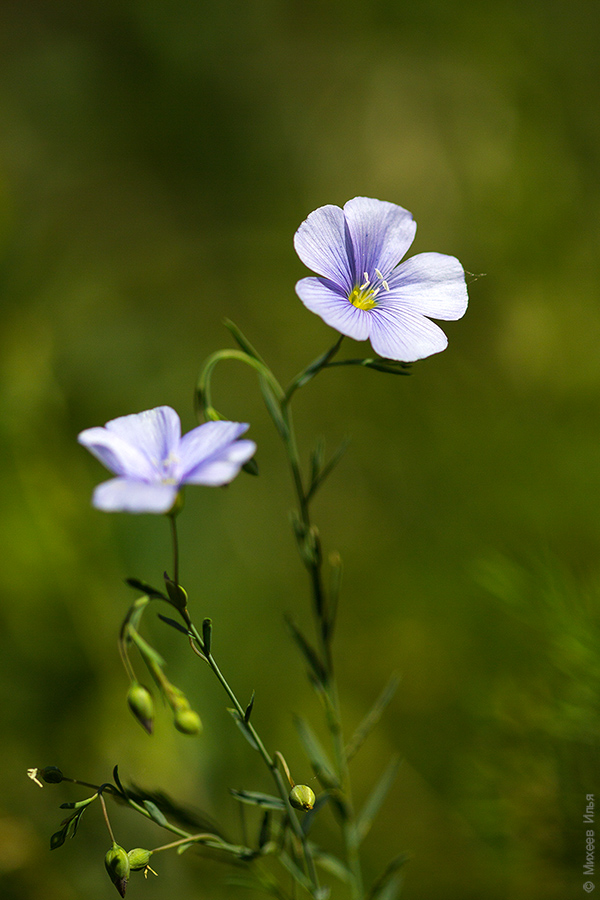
{"type": "Point", "coordinates": [362, 292]}
{"type": "Point", "coordinates": [152, 460]}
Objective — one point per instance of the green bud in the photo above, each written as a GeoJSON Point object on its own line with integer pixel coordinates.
{"type": "Point", "coordinates": [302, 797]}
{"type": "Point", "coordinates": [117, 866]}
{"type": "Point", "coordinates": [139, 858]}
{"type": "Point", "coordinates": [187, 721]}
{"type": "Point", "coordinates": [141, 705]}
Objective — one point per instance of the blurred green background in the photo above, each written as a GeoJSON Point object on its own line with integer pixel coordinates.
{"type": "Point", "coordinates": [155, 161]}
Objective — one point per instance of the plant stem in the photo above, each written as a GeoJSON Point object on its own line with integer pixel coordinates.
{"type": "Point", "coordinates": [270, 762]}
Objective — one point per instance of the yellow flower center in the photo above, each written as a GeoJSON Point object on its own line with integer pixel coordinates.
{"type": "Point", "coordinates": [363, 298]}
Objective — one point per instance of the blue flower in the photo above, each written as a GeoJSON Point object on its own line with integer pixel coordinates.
{"type": "Point", "coordinates": [361, 290]}
{"type": "Point", "coordinates": [152, 461]}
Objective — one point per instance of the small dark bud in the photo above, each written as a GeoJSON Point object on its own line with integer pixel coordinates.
{"type": "Point", "coordinates": [141, 705]}
{"type": "Point", "coordinates": [176, 593]}
{"type": "Point", "coordinates": [302, 797]}
{"type": "Point", "coordinates": [51, 775]}
{"type": "Point", "coordinates": [118, 868]}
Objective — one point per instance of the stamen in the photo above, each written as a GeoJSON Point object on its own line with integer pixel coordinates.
{"type": "Point", "coordinates": [379, 275]}
{"type": "Point", "coordinates": [386, 286]}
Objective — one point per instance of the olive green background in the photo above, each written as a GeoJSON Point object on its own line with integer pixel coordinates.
{"type": "Point", "coordinates": [155, 161]}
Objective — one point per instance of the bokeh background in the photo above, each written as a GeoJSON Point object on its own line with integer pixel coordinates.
{"type": "Point", "coordinates": [155, 161]}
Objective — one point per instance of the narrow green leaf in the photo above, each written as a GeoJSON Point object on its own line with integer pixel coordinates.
{"type": "Point", "coordinates": [309, 653]}
{"type": "Point", "coordinates": [255, 798]}
{"type": "Point", "coordinates": [376, 798]}
{"type": "Point", "coordinates": [330, 863]}
{"type": "Point", "coordinates": [373, 716]}
{"type": "Point", "coordinates": [317, 458]}
{"type": "Point", "coordinates": [155, 813]}
{"type": "Point", "coordinates": [176, 625]}
{"type": "Point", "coordinates": [239, 721]}
{"type": "Point", "coordinates": [248, 712]}
{"type": "Point", "coordinates": [242, 340]}
{"type": "Point", "coordinates": [316, 754]}
{"type": "Point", "coordinates": [138, 585]}
{"type": "Point", "coordinates": [79, 804]}
{"type": "Point", "coordinates": [265, 830]}
{"type": "Point", "coordinates": [328, 468]}
{"type": "Point", "coordinates": [381, 889]}
{"type": "Point", "coordinates": [118, 783]}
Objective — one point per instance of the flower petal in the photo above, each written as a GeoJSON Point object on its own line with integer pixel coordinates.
{"type": "Point", "coordinates": [204, 442]}
{"type": "Point", "coordinates": [381, 234]}
{"type": "Point", "coordinates": [323, 244]}
{"type": "Point", "coordinates": [156, 432]}
{"type": "Point", "coordinates": [326, 300]}
{"type": "Point", "coordinates": [402, 334]}
{"type": "Point", "coordinates": [222, 466]}
{"type": "Point", "coordinates": [429, 283]}
{"type": "Point", "coordinates": [130, 495]}
{"type": "Point", "coordinates": [116, 453]}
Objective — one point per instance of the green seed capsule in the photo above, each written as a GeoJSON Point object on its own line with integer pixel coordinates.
{"type": "Point", "coordinates": [139, 858]}
{"type": "Point", "coordinates": [141, 705]}
{"type": "Point", "coordinates": [117, 866]}
{"type": "Point", "coordinates": [302, 797]}
{"type": "Point", "coordinates": [187, 721]}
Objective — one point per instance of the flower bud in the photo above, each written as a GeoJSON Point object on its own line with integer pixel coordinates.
{"type": "Point", "coordinates": [51, 775]}
{"type": "Point", "coordinates": [117, 866]}
{"type": "Point", "coordinates": [187, 721]}
{"type": "Point", "coordinates": [139, 858]}
{"type": "Point", "coordinates": [302, 797]}
{"type": "Point", "coordinates": [141, 705]}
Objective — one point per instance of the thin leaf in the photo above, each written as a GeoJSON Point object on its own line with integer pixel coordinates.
{"type": "Point", "coordinates": [309, 653]}
{"type": "Point", "coordinates": [373, 716]}
{"type": "Point", "coordinates": [242, 340]}
{"type": "Point", "coordinates": [148, 653]}
{"type": "Point", "coordinates": [376, 798]}
{"type": "Point", "coordinates": [176, 625]}
{"type": "Point", "coordinates": [328, 468]}
{"type": "Point", "coordinates": [248, 711]}
{"type": "Point", "coordinates": [239, 721]}
{"type": "Point", "coordinates": [379, 889]}
{"type": "Point", "coordinates": [330, 863]}
{"type": "Point", "coordinates": [316, 754]}
{"type": "Point", "coordinates": [154, 812]}
{"type": "Point", "coordinates": [138, 585]}
{"type": "Point", "coordinates": [255, 798]}
{"type": "Point", "coordinates": [118, 783]}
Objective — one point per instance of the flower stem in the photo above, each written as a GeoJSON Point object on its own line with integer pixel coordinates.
{"type": "Point", "coordinates": [175, 544]}
{"type": "Point", "coordinates": [270, 762]}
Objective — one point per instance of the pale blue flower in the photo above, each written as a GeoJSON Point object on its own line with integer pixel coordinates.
{"type": "Point", "coordinates": [361, 290]}
{"type": "Point", "coordinates": [152, 460]}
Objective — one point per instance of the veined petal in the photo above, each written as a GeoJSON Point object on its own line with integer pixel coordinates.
{"type": "Point", "coordinates": [399, 333]}
{"type": "Point", "coordinates": [156, 432]}
{"type": "Point", "coordinates": [223, 466]}
{"type": "Point", "coordinates": [381, 234]}
{"type": "Point", "coordinates": [206, 442]}
{"type": "Point", "coordinates": [323, 244]}
{"type": "Point", "coordinates": [326, 300]}
{"type": "Point", "coordinates": [116, 453]}
{"type": "Point", "coordinates": [429, 283]}
{"type": "Point", "coordinates": [132, 496]}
